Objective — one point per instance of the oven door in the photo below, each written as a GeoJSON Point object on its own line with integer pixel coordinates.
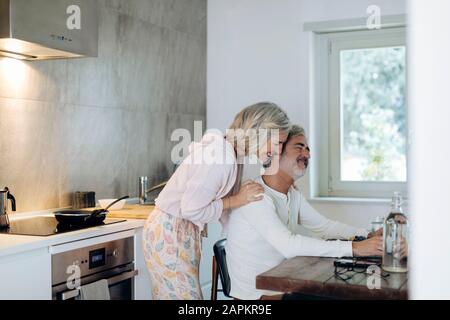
{"type": "Point", "coordinates": [120, 283]}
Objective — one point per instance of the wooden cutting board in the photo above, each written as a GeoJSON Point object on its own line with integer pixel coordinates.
{"type": "Point", "coordinates": [132, 211]}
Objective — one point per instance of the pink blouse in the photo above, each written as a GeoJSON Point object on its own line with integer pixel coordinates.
{"type": "Point", "coordinates": [205, 176]}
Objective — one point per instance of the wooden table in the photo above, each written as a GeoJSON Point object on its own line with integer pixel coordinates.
{"type": "Point", "coordinates": [315, 276]}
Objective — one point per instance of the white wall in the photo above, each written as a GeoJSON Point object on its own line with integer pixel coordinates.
{"type": "Point", "coordinates": [257, 51]}
{"type": "Point", "coordinates": [430, 116]}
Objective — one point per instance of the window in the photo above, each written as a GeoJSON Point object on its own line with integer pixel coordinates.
{"type": "Point", "coordinates": [363, 108]}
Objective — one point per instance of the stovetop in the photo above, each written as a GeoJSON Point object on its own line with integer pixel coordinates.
{"type": "Point", "coordinates": [47, 226]}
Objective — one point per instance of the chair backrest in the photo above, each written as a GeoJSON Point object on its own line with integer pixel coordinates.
{"type": "Point", "coordinates": [221, 258]}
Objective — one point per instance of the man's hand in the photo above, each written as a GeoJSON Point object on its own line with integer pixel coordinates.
{"type": "Point", "coordinates": [370, 247]}
{"type": "Point", "coordinates": [379, 232]}
{"type": "Point", "coordinates": [401, 252]}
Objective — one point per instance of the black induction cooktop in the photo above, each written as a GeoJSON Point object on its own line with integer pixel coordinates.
{"type": "Point", "coordinates": [47, 226]}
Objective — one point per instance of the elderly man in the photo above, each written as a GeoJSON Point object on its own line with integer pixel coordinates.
{"type": "Point", "coordinates": [262, 234]}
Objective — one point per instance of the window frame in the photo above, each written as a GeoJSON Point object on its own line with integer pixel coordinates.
{"type": "Point", "coordinates": [327, 116]}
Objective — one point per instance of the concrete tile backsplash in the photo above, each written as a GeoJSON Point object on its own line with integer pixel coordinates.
{"type": "Point", "coordinates": [96, 124]}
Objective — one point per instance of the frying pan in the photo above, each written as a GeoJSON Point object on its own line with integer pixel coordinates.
{"type": "Point", "coordinates": [82, 217]}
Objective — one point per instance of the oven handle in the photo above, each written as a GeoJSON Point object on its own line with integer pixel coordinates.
{"type": "Point", "coordinates": [111, 281]}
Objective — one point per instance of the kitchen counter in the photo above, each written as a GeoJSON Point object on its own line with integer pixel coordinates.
{"type": "Point", "coordinates": [19, 252]}
{"type": "Point", "coordinates": [134, 214]}
{"type": "Point", "coordinates": [14, 244]}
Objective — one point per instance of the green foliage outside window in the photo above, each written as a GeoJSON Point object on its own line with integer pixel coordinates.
{"type": "Point", "coordinates": [374, 118]}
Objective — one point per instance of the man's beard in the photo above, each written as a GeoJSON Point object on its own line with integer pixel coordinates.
{"type": "Point", "coordinates": [298, 173]}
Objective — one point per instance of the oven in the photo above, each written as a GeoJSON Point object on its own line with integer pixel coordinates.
{"type": "Point", "coordinates": [76, 265]}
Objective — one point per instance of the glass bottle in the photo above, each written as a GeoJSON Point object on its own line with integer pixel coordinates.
{"type": "Point", "coordinates": [395, 238]}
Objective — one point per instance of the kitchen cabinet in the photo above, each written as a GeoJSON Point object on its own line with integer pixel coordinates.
{"type": "Point", "coordinates": [142, 281]}
{"type": "Point", "coordinates": [26, 276]}
{"type": "Point", "coordinates": [26, 262]}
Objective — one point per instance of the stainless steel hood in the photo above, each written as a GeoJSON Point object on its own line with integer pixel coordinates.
{"type": "Point", "coordinates": [48, 29]}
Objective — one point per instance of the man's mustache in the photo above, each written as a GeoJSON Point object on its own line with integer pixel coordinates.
{"type": "Point", "coordinates": [304, 160]}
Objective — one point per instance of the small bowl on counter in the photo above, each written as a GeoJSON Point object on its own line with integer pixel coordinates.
{"type": "Point", "coordinates": [118, 206]}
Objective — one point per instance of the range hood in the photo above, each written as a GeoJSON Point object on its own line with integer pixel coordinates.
{"type": "Point", "coordinates": [48, 29]}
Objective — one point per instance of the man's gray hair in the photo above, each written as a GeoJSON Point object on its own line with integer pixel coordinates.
{"type": "Point", "coordinates": [296, 131]}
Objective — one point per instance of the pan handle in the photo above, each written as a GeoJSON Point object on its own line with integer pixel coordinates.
{"type": "Point", "coordinates": [98, 212]}
{"type": "Point", "coordinates": [115, 201]}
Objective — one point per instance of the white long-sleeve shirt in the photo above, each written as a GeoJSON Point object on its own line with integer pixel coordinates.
{"type": "Point", "coordinates": [262, 234]}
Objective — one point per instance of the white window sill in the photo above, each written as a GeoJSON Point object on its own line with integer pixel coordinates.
{"type": "Point", "coordinates": [350, 201]}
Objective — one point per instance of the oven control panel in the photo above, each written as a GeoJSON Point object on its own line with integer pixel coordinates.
{"type": "Point", "coordinates": [92, 259]}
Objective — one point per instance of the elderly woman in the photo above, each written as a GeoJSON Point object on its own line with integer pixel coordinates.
{"type": "Point", "coordinates": [205, 188]}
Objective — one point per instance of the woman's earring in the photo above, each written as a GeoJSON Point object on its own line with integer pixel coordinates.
{"type": "Point", "coordinates": [268, 162]}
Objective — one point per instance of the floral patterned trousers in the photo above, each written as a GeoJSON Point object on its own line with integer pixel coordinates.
{"type": "Point", "coordinates": [172, 249]}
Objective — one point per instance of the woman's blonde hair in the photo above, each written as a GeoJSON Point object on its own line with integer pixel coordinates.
{"type": "Point", "coordinates": [254, 119]}
{"type": "Point", "coordinates": [244, 132]}
{"type": "Point", "coordinates": [263, 115]}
